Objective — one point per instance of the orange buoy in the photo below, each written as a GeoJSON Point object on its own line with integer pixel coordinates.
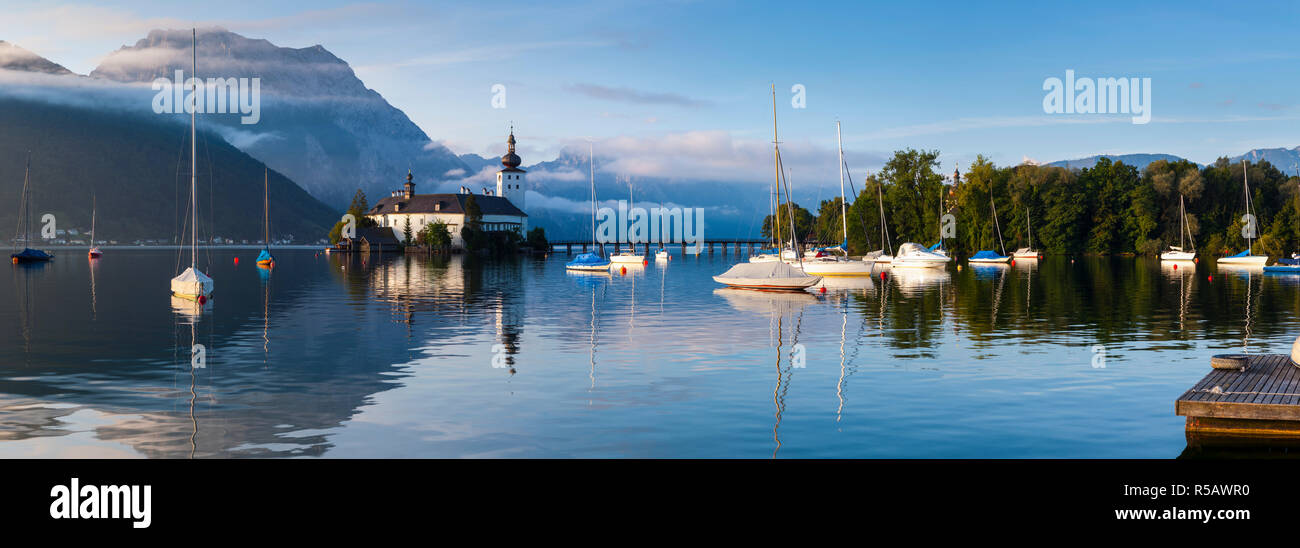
{"type": "Point", "coordinates": [623, 270]}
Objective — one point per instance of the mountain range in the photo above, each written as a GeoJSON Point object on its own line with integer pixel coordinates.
{"type": "Point", "coordinates": [322, 132]}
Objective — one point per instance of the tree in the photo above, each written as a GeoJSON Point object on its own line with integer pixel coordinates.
{"type": "Point", "coordinates": [358, 209]}
{"type": "Point", "coordinates": [804, 222]}
{"type": "Point", "coordinates": [435, 235]}
{"type": "Point", "coordinates": [537, 239]}
{"type": "Point", "coordinates": [406, 232]}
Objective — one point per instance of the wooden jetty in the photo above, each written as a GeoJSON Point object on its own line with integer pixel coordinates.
{"type": "Point", "coordinates": [1259, 404]}
{"type": "Point", "coordinates": [738, 245]}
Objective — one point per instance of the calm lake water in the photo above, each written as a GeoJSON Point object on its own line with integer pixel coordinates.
{"type": "Point", "coordinates": [436, 357]}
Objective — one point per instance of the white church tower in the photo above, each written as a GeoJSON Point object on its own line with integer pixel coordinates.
{"type": "Point", "coordinates": [510, 180]}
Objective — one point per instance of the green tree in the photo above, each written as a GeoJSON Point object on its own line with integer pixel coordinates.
{"type": "Point", "coordinates": [537, 239]}
{"type": "Point", "coordinates": [407, 237]}
{"type": "Point", "coordinates": [436, 236]}
{"type": "Point", "coordinates": [358, 209]}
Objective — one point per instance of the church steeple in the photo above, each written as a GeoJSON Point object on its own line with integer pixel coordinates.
{"type": "Point", "coordinates": [510, 159]}
{"type": "Point", "coordinates": [409, 187]}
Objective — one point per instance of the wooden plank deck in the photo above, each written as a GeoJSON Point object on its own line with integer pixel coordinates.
{"type": "Point", "coordinates": [1260, 403]}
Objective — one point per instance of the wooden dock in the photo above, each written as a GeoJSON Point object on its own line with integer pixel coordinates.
{"type": "Point", "coordinates": [1256, 405]}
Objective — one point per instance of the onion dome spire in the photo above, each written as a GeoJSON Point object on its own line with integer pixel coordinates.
{"type": "Point", "coordinates": [511, 160]}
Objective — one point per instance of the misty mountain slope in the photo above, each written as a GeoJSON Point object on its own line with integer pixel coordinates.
{"type": "Point", "coordinates": [137, 166]}
{"type": "Point", "coordinates": [13, 57]}
{"type": "Point", "coordinates": [319, 124]}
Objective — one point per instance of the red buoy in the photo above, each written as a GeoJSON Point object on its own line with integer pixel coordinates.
{"type": "Point", "coordinates": [236, 260]}
{"type": "Point", "coordinates": [645, 262]}
{"type": "Point", "coordinates": [203, 299]}
{"type": "Point", "coordinates": [623, 270]}
{"type": "Point", "coordinates": [1175, 266]}
{"type": "Point", "coordinates": [1211, 278]}
{"type": "Point", "coordinates": [823, 289]}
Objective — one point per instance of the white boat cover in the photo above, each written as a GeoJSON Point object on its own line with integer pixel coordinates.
{"type": "Point", "coordinates": [774, 269]}
{"type": "Point", "coordinates": [192, 282]}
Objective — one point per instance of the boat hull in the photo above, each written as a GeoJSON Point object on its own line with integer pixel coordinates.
{"type": "Point", "coordinates": [770, 284]}
{"type": "Point", "coordinates": [1249, 260]}
{"type": "Point", "coordinates": [588, 267]}
{"type": "Point", "coordinates": [1282, 269]}
{"type": "Point", "coordinates": [918, 263]}
{"type": "Point", "coordinates": [837, 268]}
{"type": "Point", "coordinates": [989, 261]}
{"type": "Point", "coordinates": [626, 259]}
{"type": "Point", "coordinates": [1178, 256]}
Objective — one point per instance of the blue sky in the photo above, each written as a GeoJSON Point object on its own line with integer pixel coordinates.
{"type": "Point", "coordinates": [678, 88]}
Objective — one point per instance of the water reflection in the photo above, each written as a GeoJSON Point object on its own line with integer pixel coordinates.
{"type": "Point", "coordinates": [448, 356]}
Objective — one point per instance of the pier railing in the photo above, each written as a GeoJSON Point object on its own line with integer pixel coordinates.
{"type": "Point", "coordinates": [737, 245]}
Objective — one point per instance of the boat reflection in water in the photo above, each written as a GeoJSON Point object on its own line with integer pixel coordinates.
{"type": "Point", "coordinates": [785, 311]}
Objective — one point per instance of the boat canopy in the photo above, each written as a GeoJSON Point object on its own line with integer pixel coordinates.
{"type": "Point", "coordinates": [1245, 253]}
{"type": "Point", "coordinates": [1289, 262]}
{"type": "Point", "coordinates": [774, 269]}
{"type": "Point", "coordinates": [29, 254]}
{"type": "Point", "coordinates": [910, 247]}
{"type": "Point", "coordinates": [987, 255]}
{"type": "Point", "coordinates": [936, 247]}
{"type": "Point", "coordinates": [588, 259]}
{"type": "Point", "coordinates": [265, 255]}
{"type": "Point", "coordinates": [192, 282]}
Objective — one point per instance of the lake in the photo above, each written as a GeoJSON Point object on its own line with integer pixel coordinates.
{"type": "Point", "coordinates": [416, 356]}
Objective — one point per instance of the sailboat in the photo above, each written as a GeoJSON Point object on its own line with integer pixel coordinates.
{"type": "Point", "coordinates": [1176, 253]}
{"type": "Point", "coordinates": [1028, 252]}
{"type": "Point", "coordinates": [193, 284]}
{"type": "Point", "coordinates": [779, 251]}
{"type": "Point", "coordinates": [662, 254]}
{"type": "Point", "coordinates": [594, 260]}
{"type": "Point", "coordinates": [881, 255]}
{"type": "Point", "coordinates": [94, 252]}
{"type": "Point", "coordinates": [28, 255]}
{"type": "Point", "coordinates": [988, 256]}
{"type": "Point", "coordinates": [265, 259]}
{"type": "Point", "coordinates": [629, 256]}
{"type": "Point", "coordinates": [839, 266]}
{"type": "Point", "coordinates": [774, 274]}
{"type": "Point", "coordinates": [938, 248]}
{"type": "Point", "coordinates": [1245, 258]}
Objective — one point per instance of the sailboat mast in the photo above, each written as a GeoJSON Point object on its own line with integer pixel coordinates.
{"type": "Point", "coordinates": [776, 166]}
{"type": "Point", "coordinates": [844, 216]}
{"type": "Point", "coordinates": [1245, 177]}
{"type": "Point", "coordinates": [884, 230]}
{"type": "Point", "coordinates": [266, 206]}
{"type": "Point", "coordinates": [591, 164]}
{"type": "Point", "coordinates": [92, 220]}
{"type": "Point", "coordinates": [27, 202]}
{"type": "Point", "coordinates": [194, 149]}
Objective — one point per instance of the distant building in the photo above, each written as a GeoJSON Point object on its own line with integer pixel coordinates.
{"type": "Point", "coordinates": [502, 209]}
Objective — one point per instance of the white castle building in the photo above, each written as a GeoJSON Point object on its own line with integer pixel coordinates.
{"type": "Point", "coordinates": [502, 209]}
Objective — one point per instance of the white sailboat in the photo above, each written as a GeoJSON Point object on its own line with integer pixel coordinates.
{"type": "Point", "coordinates": [839, 265]}
{"type": "Point", "coordinates": [193, 284]}
{"type": "Point", "coordinates": [1177, 253]}
{"type": "Point", "coordinates": [881, 255]}
{"type": "Point", "coordinates": [914, 255]}
{"type": "Point", "coordinates": [94, 252]}
{"type": "Point", "coordinates": [1028, 252]}
{"type": "Point", "coordinates": [780, 251]}
{"type": "Point", "coordinates": [775, 274]}
{"type": "Point", "coordinates": [630, 256]}
{"type": "Point", "coordinates": [1247, 257]}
